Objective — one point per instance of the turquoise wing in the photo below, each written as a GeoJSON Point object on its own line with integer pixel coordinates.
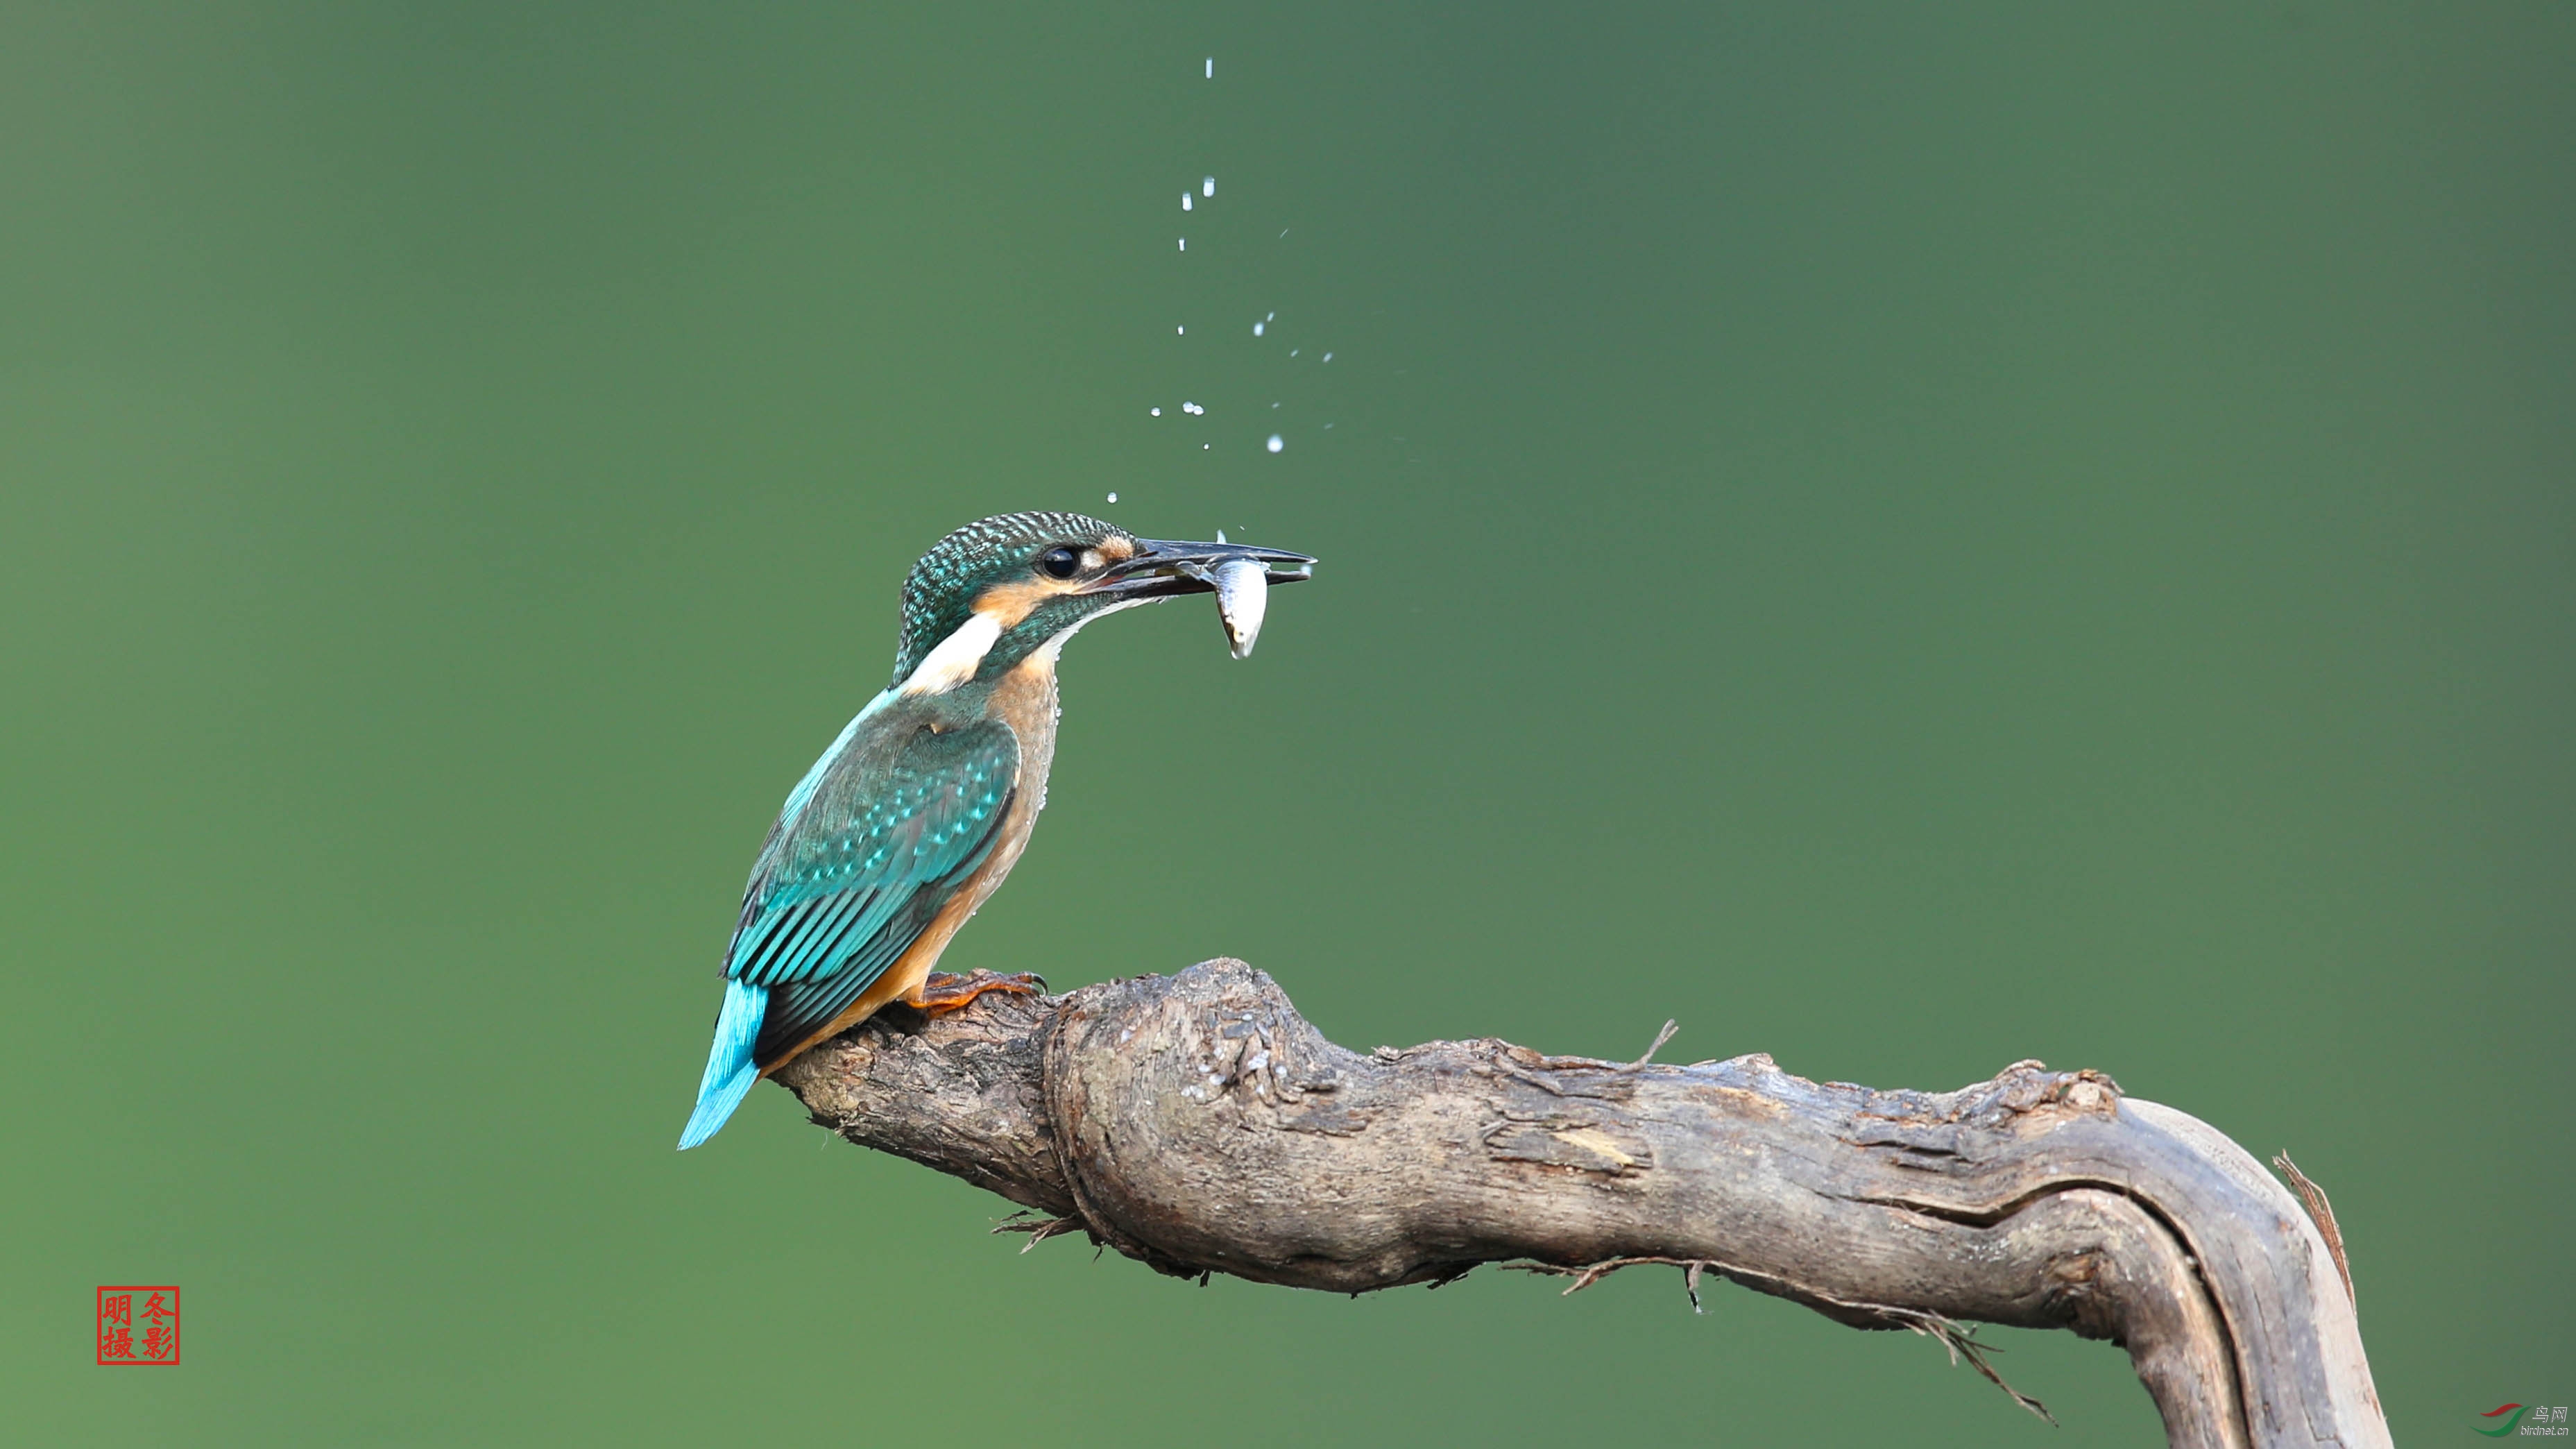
{"type": "Point", "coordinates": [847, 885]}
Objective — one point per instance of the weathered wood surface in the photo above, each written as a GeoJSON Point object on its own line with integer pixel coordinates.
{"type": "Point", "coordinates": [1197, 1123]}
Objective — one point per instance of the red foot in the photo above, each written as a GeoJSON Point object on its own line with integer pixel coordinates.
{"type": "Point", "coordinates": [943, 993]}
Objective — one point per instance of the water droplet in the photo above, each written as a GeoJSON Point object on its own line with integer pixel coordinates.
{"type": "Point", "coordinates": [1180, 332]}
{"type": "Point", "coordinates": [1273, 317]}
{"type": "Point", "coordinates": [1185, 201]}
{"type": "Point", "coordinates": [1203, 447]}
{"type": "Point", "coordinates": [1153, 412]}
{"type": "Point", "coordinates": [1257, 326]}
{"type": "Point", "coordinates": [1185, 244]}
{"type": "Point", "coordinates": [1276, 443]}
{"type": "Point", "coordinates": [1207, 186]}
{"type": "Point", "coordinates": [1113, 497]}
{"type": "Point", "coordinates": [1292, 352]}
{"type": "Point", "coordinates": [1211, 68]}
{"type": "Point", "coordinates": [1328, 357]}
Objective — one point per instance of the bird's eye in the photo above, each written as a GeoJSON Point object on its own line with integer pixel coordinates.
{"type": "Point", "coordinates": [1059, 563]}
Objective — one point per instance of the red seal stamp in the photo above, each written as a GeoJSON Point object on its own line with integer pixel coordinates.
{"type": "Point", "coordinates": [138, 1325]}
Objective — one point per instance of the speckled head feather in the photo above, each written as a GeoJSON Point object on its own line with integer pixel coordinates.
{"type": "Point", "coordinates": [941, 590]}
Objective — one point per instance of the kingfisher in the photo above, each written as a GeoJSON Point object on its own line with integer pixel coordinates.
{"type": "Point", "coordinates": [925, 801]}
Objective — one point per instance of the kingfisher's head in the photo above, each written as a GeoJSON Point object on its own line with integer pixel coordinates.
{"type": "Point", "coordinates": [994, 593]}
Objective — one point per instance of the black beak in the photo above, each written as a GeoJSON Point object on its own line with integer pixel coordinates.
{"type": "Point", "coordinates": [1162, 569]}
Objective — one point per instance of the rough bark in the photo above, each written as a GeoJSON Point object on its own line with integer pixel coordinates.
{"type": "Point", "coordinates": [1198, 1124]}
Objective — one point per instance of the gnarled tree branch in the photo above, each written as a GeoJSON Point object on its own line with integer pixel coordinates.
{"type": "Point", "coordinates": [1197, 1123]}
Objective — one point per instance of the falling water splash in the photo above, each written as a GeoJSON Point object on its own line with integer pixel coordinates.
{"type": "Point", "coordinates": [1219, 242]}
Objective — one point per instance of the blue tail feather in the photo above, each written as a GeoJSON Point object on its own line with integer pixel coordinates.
{"type": "Point", "coordinates": [730, 1070]}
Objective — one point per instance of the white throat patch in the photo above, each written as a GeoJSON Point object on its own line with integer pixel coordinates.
{"type": "Point", "coordinates": [957, 657]}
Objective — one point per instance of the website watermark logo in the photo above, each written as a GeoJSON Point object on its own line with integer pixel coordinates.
{"type": "Point", "coordinates": [138, 1326]}
{"type": "Point", "coordinates": [2528, 1420]}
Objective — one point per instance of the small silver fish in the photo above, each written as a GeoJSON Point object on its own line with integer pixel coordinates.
{"type": "Point", "coordinates": [1242, 596]}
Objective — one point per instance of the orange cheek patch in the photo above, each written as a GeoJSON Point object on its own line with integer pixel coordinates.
{"type": "Point", "coordinates": [1011, 602]}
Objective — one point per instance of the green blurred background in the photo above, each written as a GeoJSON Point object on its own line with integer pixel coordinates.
{"type": "Point", "coordinates": [1905, 540]}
